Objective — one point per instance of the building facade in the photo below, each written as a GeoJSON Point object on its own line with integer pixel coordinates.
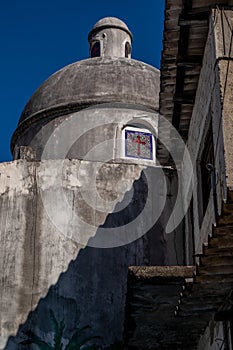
{"type": "Point", "coordinates": [117, 209]}
{"type": "Point", "coordinates": [194, 310]}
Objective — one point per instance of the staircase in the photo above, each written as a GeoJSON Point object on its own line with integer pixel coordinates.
{"type": "Point", "coordinates": [211, 292]}
{"type": "Point", "coordinates": [169, 311]}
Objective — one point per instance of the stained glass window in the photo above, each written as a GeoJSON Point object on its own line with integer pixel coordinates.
{"type": "Point", "coordinates": [138, 144]}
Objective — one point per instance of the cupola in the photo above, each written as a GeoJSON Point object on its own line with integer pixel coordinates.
{"type": "Point", "coordinates": [110, 37]}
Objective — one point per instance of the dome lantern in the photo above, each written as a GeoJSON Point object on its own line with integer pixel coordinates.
{"type": "Point", "coordinates": [110, 37]}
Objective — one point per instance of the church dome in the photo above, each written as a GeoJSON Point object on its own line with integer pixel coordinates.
{"type": "Point", "coordinates": [110, 76]}
{"type": "Point", "coordinates": [93, 81]}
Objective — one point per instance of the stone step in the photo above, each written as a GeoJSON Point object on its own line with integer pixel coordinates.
{"type": "Point", "coordinates": [221, 242]}
{"type": "Point", "coordinates": [213, 279]}
{"type": "Point", "coordinates": [193, 304]}
{"type": "Point", "coordinates": [172, 346]}
{"type": "Point", "coordinates": [216, 260]}
{"type": "Point", "coordinates": [225, 220]}
{"type": "Point", "coordinates": [223, 231]}
{"type": "Point", "coordinates": [227, 208]}
{"type": "Point", "coordinates": [194, 310]}
{"type": "Point", "coordinates": [177, 343]}
{"type": "Point", "coordinates": [223, 251]}
{"type": "Point", "coordinates": [207, 292]}
{"type": "Point", "coordinates": [204, 299]}
{"type": "Point", "coordinates": [229, 196]}
{"type": "Point", "coordinates": [212, 285]}
{"type": "Point", "coordinates": [215, 270]}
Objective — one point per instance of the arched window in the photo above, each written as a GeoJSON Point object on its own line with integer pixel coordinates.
{"type": "Point", "coordinates": [138, 143]}
{"type": "Point", "coordinates": [127, 49]}
{"type": "Point", "coordinates": [95, 50]}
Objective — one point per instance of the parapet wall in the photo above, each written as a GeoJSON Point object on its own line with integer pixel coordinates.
{"type": "Point", "coordinates": [45, 264]}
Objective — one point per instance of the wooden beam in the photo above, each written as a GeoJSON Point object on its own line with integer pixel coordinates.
{"type": "Point", "coordinates": [184, 98]}
{"type": "Point", "coordinates": [194, 18]}
{"type": "Point", "coordinates": [190, 61]}
{"type": "Point", "coordinates": [193, 22]}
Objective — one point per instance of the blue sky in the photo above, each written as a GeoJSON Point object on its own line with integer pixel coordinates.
{"type": "Point", "coordinates": [40, 37]}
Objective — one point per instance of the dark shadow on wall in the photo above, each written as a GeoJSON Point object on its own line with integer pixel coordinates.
{"type": "Point", "coordinates": [92, 291]}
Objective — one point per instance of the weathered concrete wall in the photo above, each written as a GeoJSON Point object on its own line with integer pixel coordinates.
{"type": "Point", "coordinates": [213, 106]}
{"type": "Point", "coordinates": [199, 126]}
{"type": "Point", "coordinates": [224, 55]}
{"type": "Point", "coordinates": [30, 246]}
{"type": "Point", "coordinates": [44, 264]}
